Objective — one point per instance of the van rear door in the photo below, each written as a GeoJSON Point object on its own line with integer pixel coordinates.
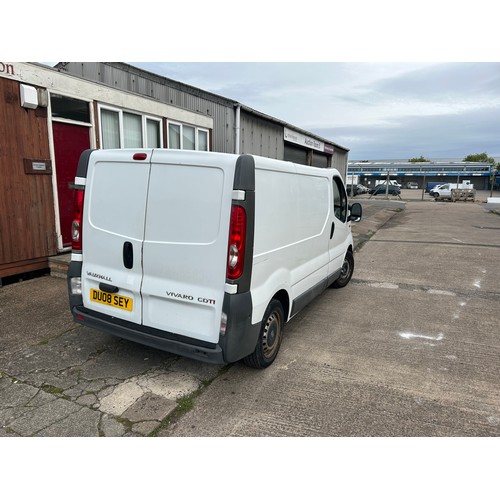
{"type": "Point", "coordinates": [185, 242]}
{"type": "Point", "coordinates": [114, 213]}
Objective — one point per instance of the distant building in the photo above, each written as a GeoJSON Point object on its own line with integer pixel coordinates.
{"type": "Point", "coordinates": [368, 173]}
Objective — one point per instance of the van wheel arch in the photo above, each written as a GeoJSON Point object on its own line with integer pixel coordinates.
{"type": "Point", "coordinates": [346, 271]}
{"type": "Point", "coordinates": [282, 296]}
{"type": "Point", "coordinates": [271, 332]}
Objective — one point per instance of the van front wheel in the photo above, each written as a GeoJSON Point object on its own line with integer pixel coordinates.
{"type": "Point", "coordinates": [271, 334]}
{"type": "Point", "coordinates": [345, 272]}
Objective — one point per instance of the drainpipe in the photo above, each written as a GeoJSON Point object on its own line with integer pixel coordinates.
{"type": "Point", "coordinates": [237, 130]}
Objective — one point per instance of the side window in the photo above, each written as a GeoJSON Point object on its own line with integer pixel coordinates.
{"type": "Point", "coordinates": [124, 129]}
{"type": "Point", "coordinates": [339, 200]}
{"type": "Point", "coordinates": [182, 136]}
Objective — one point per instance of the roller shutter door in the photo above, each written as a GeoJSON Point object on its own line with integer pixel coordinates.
{"type": "Point", "coordinates": [320, 160]}
{"type": "Point", "coordinates": [295, 154]}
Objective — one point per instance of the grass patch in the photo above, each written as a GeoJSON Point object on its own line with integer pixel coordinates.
{"type": "Point", "coordinates": [186, 403]}
{"type": "Point", "coordinates": [52, 389]}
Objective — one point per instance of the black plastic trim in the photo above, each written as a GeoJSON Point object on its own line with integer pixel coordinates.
{"type": "Point", "coordinates": [244, 175]}
{"type": "Point", "coordinates": [83, 163]}
{"type": "Point", "coordinates": [74, 271]}
{"type": "Point", "coordinates": [333, 277]}
{"type": "Point", "coordinates": [244, 180]}
{"type": "Point", "coordinates": [241, 336]}
{"type": "Point", "coordinates": [152, 337]}
{"type": "Point", "coordinates": [303, 299]}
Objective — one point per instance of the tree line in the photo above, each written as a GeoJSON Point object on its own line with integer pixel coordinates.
{"type": "Point", "coordinates": [479, 157]}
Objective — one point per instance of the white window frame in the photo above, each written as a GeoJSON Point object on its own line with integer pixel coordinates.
{"type": "Point", "coordinates": [120, 112]}
{"type": "Point", "coordinates": [196, 130]}
{"type": "Point", "coordinates": [145, 129]}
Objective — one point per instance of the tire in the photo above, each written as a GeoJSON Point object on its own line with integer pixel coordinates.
{"type": "Point", "coordinates": [346, 271]}
{"type": "Point", "coordinates": [271, 334]}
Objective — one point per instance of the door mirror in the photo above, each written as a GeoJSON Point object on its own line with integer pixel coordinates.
{"type": "Point", "coordinates": [355, 212]}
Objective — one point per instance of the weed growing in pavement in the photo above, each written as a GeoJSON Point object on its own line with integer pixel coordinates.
{"type": "Point", "coordinates": [186, 404]}
{"type": "Point", "coordinates": [52, 389]}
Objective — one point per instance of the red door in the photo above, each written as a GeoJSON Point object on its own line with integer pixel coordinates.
{"type": "Point", "coordinates": [69, 142]}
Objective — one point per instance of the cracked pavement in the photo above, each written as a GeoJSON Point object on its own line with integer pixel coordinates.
{"type": "Point", "coordinates": [58, 378]}
{"type": "Point", "coordinates": [61, 379]}
{"type": "Point", "coordinates": [85, 383]}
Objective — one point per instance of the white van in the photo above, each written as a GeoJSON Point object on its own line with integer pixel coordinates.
{"type": "Point", "coordinates": [204, 255]}
{"type": "Point", "coordinates": [444, 191]}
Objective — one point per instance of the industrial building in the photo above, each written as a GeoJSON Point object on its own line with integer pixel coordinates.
{"type": "Point", "coordinates": [368, 173]}
{"type": "Point", "coordinates": [48, 116]}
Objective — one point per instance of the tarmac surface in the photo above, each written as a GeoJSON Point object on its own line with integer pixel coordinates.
{"type": "Point", "coordinates": [411, 347]}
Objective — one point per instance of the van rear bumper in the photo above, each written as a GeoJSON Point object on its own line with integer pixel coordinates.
{"type": "Point", "coordinates": [159, 339]}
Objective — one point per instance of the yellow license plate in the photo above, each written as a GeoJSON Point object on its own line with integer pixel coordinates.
{"type": "Point", "coordinates": [111, 299]}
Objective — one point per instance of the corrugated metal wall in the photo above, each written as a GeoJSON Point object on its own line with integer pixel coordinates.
{"type": "Point", "coordinates": [339, 161]}
{"type": "Point", "coordinates": [125, 77]}
{"type": "Point", "coordinates": [260, 137]}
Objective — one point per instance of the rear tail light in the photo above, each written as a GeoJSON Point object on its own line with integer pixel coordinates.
{"type": "Point", "coordinates": [76, 226]}
{"type": "Point", "coordinates": [237, 237]}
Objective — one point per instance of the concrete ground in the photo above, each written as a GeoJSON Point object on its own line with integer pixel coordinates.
{"type": "Point", "coordinates": [409, 348]}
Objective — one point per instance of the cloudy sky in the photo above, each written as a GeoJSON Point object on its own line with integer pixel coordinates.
{"type": "Point", "coordinates": [378, 110]}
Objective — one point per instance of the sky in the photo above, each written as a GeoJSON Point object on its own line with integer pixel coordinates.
{"type": "Point", "coordinates": [385, 79]}
{"type": "Point", "coordinates": [378, 110]}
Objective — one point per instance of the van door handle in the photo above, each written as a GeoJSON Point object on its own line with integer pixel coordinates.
{"type": "Point", "coordinates": [332, 230]}
{"type": "Point", "coordinates": [108, 288]}
{"type": "Point", "coordinates": [128, 255]}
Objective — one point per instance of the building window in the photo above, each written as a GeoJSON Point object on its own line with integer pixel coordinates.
{"type": "Point", "coordinates": [124, 129]}
{"type": "Point", "coordinates": [174, 136]}
{"type": "Point", "coordinates": [110, 129]}
{"type": "Point", "coordinates": [153, 133]}
{"type": "Point", "coordinates": [188, 141]}
{"type": "Point", "coordinates": [69, 108]}
{"type": "Point", "coordinates": [182, 136]}
{"type": "Point", "coordinates": [203, 140]}
{"type": "Point", "coordinates": [132, 131]}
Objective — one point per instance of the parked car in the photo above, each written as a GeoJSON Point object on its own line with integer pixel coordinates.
{"type": "Point", "coordinates": [382, 189]}
{"type": "Point", "coordinates": [355, 189]}
{"type": "Point", "coordinates": [431, 185]}
{"type": "Point", "coordinates": [391, 182]}
{"type": "Point", "coordinates": [411, 185]}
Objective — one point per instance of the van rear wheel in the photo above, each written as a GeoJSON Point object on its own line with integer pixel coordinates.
{"type": "Point", "coordinates": [271, 334]}
{"type": "Point", "coordinates": [346, 271]}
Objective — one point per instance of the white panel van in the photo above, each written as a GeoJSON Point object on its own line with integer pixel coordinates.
{"type": "Point", "coordinates": [205, 255]}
